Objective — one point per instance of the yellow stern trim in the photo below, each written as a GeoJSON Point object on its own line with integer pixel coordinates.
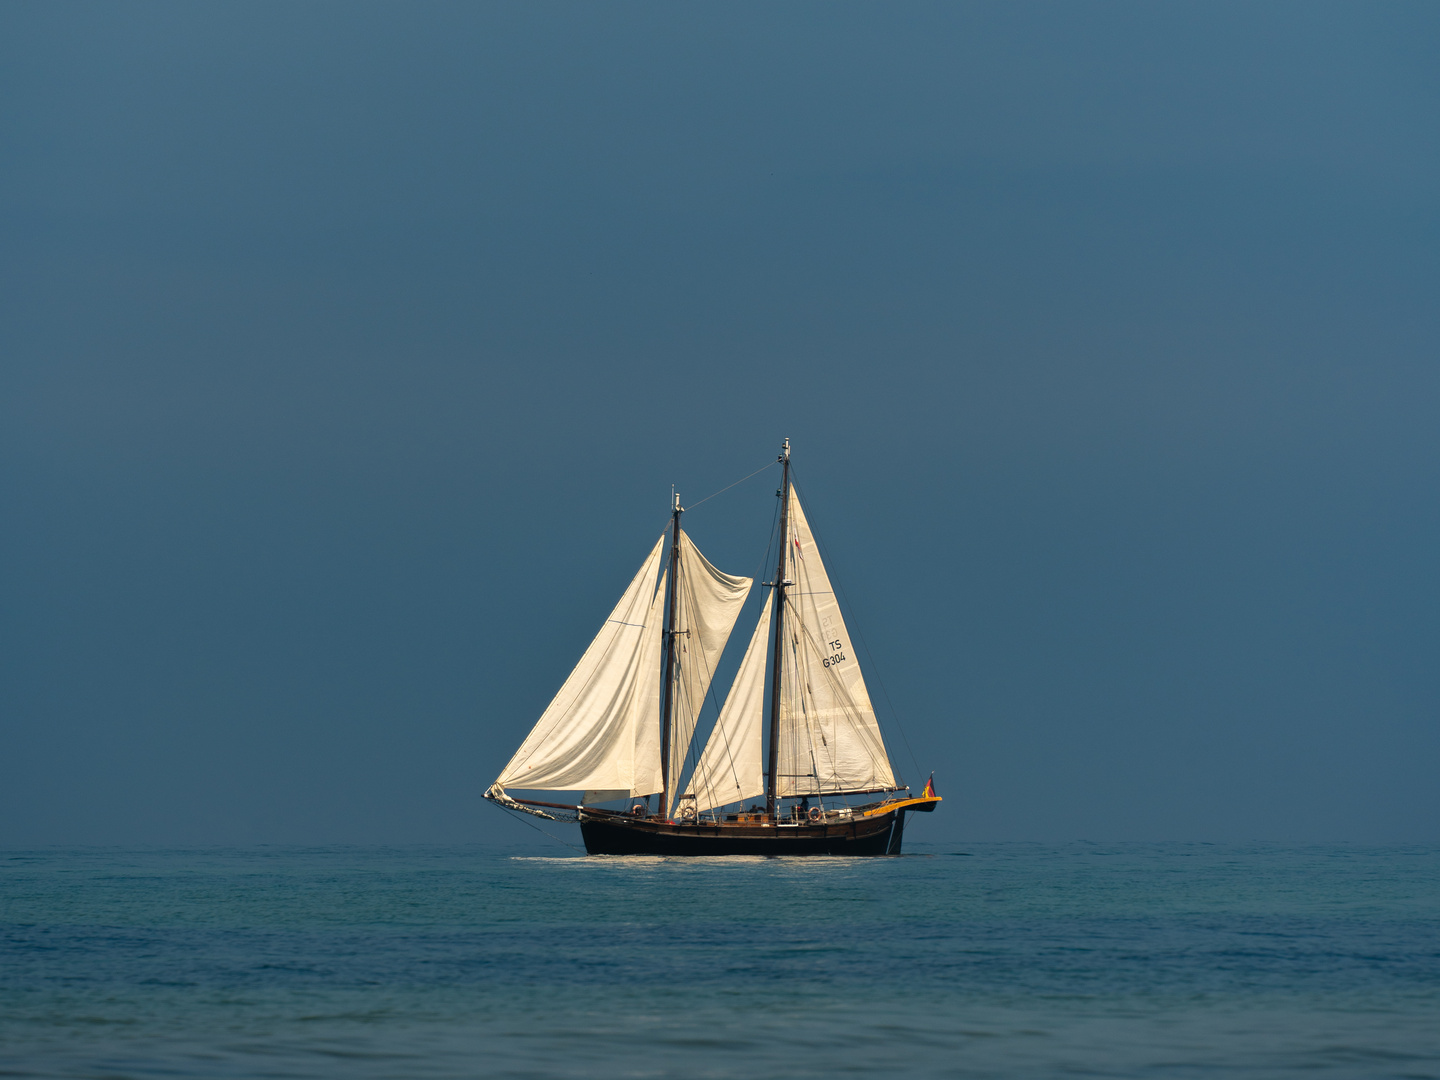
{"type": "Point", "coordinates": [903, 804]}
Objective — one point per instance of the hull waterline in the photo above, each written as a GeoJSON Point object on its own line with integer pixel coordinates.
{"type": "Point", "coordinates": [879, 834]}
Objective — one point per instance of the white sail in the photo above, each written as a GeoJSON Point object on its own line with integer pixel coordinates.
{"type": "Point", "coordinates": [731, 769]}
{"type": "Point", "coordinates": [587, 737]}
{"type": "Point", "coordinates": [646, 778]}
{"type": "Point", "coordinates": [829, 738]}
{"type": "Point", "coordinates": [707, 603]}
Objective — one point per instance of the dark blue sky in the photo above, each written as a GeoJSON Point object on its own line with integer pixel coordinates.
{"type": "Point", "coordinates": [348, 354]}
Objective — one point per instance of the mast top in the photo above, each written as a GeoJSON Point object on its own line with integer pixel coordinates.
{"type": "Point", "coordinates": [784, 451]}
{"type": "Point", "coordinates": [677, 507]}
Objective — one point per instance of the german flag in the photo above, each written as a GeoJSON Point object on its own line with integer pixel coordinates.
{"type": "Point", "coordinates": [929, 792]}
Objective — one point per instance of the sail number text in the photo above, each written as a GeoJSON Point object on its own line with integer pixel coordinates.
{"type": "Point", "coordinates": [836, 647]}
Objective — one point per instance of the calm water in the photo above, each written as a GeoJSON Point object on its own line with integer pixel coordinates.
{"type": "Point", "coordinates": [977, 960]}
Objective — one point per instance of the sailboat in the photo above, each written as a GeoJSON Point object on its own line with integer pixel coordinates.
{"type": "Point", "coordinates": [621, 727]}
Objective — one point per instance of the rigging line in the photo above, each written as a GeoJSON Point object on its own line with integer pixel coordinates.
{"type": "Point", "coordinates": [840, 691]}
{"type": "Point", "coordinates": [764, 560]}
{"type": "Point", "coordinates": [692, 753]}
{"type": "Point", "coordinates": [805, 699]}
{"type": "Point", "coordinates": [847, 700]}
{"type": "Point", "coordinates": [729, 751]}
{"type": "Point", "coordinates": [685, 597]}
{"type": "Point", "coordinates": [727, 487]}
{"type": "Point", "coordinates": [770, 543]}
{"type": "Point", "coordinates": [537, 828]}
{"type": "Point", "coordinates": [759, 571]}
{"type": "Point", "coordinates": [709, 775]}
{"type": "Point", "coordinates": [894, 713]}
{"type": "Point", "coordinates": [725, 736]}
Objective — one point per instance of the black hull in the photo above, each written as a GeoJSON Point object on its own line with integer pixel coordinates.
{"type": "Point", "coordinates": [880, 834]}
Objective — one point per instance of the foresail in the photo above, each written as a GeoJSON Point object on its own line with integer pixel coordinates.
{"type": "Point", "coordinates": [646, 779]}
{"type": "Point", "coordinates": [707, 604]}
{"type": "Point", "coordinates": [587, 738]}
{"type": "Point", "coordinates": [829, 738]}
{"type": "Point", "coordinates": [731, 770]}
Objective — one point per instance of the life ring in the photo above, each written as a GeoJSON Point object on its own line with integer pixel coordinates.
{"type": "Point", "coordinates": [638, 810]}
{"type": "Point", "coordinates": [816, 813]}
{"type": "Point", "coordinates": [687, 813]}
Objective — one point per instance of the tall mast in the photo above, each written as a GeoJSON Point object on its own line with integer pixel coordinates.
{"type": "Point", "coordinates": [770, 785]}
{"type": "Point", "coordinates": [675, 512]}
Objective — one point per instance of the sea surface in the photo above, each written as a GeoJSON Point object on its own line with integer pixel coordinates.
{"type": "Point", "coordinates": [969, 960]}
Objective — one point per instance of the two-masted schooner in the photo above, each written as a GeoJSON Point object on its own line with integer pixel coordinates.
{"type": "Point", "coordinates": [622, 725]}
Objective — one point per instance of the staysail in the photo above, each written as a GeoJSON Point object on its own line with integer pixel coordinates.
{"type": "Point", "coordinates": [647, 779]}
{"type": "Point", "coordinates": [707, 603]}
{"type": "Point", "coordinates": [647, 717]}
{"type": "Point", "coordinates": [730, 770]}
{"type": "Point", "coordinates": [829, 739]}
{"type": "Point", "coordinates": [592, 734]}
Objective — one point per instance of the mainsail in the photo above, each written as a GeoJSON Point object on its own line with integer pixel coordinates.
{"type": "Point", "coordinates": [829, 740]}
{"type": "Point", "coordinates": [646, 780]}
{"type": "Point", "coordinates": [594, 733]}
{"type": "Point", "coordinates": [707, 603]}
{"type": "Point", "coordinates": [730, 770]}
